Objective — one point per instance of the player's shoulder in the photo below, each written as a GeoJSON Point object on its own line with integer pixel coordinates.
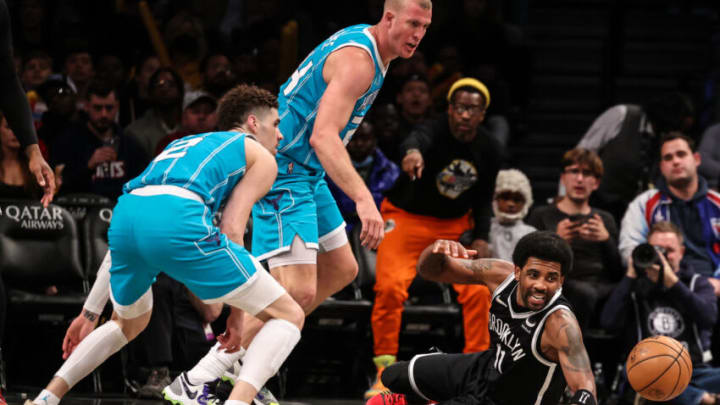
{"type": "Point", "coordinates": [559, 318]}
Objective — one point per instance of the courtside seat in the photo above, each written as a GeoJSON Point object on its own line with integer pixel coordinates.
{"type": "Point", "coordinates": [92, 213]}
{"type": "Point", "coordinates": [40, 247]}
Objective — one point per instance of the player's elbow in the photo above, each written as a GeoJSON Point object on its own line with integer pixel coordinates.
{"type": "Point", "coordinates": [430, 269]}
{"type": "Point", "coordinates": [318, 139]}
{"type": "Point", "coordinates": [232, 232]}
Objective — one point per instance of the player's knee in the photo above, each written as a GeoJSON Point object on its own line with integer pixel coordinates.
{"type": "Point", "coordinates": [304, 295]}
{"type": "Point", "coordinates": [349, 272]}
{"type": "Point", "coordinates": [295, 315]}
{"type": "Point", "coordinates": [131, 328]}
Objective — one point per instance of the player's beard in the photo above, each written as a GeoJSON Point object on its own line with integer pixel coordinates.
{"type": "Point", "coordinates": [530, 292]}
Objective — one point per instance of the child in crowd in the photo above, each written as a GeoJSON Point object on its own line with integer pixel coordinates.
{"type": "Point", "coordinates": [511, 203]}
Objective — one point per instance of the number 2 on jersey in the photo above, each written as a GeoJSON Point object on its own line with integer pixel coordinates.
{"type": "Point", "coordinates": [179, 149]}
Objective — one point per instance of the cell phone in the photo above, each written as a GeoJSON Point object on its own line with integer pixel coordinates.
{"type": "Point", "coordinates": [579, 218]}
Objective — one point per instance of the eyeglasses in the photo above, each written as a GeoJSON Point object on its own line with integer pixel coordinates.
{"type": "Point", "coordinates": [472, 109]}
{"type": "Point", "coordinates": [576, 172]}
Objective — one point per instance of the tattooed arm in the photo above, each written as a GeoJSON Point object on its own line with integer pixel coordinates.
{"type": "Point", "coordinates": [447, 261]}
{"type": "Point", "coordinates": [562, 333]}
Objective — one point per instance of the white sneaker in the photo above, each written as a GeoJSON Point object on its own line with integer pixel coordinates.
{"type": "Point", "coordinates": [182, 392]}
{"type": "Point", "coordinates": [263, 397]}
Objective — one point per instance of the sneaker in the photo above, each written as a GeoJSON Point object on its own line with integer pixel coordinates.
{"type": "Point", "coordinates": [381, 362]}
{"type": "Point", "coordinates": [387, 398]}
{"type": "Point", "coordinates": [227, 382]}
{"type": "Point", "coordinates": [182, 392]}
{"type": "Point", "coordinates": [265, 397]}
{"type": "Point", "coordinates": [158, 379]}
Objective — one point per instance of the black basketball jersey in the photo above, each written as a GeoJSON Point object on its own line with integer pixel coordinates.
{"type": "Point", "coordinates": [518, 373]}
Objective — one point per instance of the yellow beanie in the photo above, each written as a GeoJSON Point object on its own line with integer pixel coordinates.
{"type": "Point", "coordinates": [469, 81]}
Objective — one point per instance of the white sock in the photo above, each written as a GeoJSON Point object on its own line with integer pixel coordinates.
{"type": "Point", "coordinates": [267, 351]}
{"type": "Point", "coordinates": [102, 343]}
{"type": "Point", "coordinates": [235, 402]}
{"type": "Point", "coordinates": [213, 365]}
{"type": "Point", "coordinates": [46, 398]}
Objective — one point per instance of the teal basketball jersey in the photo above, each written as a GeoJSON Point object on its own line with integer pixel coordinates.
{"type": "Point", "coordinates": [300, 95]}
{"type": "Point", "coordinates": [208, 164]}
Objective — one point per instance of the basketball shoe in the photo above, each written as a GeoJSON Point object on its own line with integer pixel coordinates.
{"type": "Point", "coordinates": [227, 382]}
{"type": "Point", "coordinates": [381, 362]}
{"type": "Point", "coordinates": [387, 398]}
{"type": "Point", "coordinates": [182, 392]}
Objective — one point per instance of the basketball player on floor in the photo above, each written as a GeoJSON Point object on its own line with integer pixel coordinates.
{"type": "Point", "coordinates": [535, 341]}
{"type": "Point", "coordinates": [297, 226]}
{"type": "Point", "coordinates": [163, 222]}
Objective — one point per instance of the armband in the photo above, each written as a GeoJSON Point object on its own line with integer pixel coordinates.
{"type": "Point", "coordinates": [583, 397]}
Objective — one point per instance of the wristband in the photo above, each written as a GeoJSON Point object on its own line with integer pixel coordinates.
{"type": "Point", "coordinates": [583, 397]}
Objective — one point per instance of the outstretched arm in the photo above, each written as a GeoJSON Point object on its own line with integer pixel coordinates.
{"type": "Point", "coordinates": [447, 261]}
{"type": "Point", "coordinates": [348, 72]}
{"type": "Point", "coordinates": [562, 333]}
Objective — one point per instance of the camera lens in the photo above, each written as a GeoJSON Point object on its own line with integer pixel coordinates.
{"type": "Point", "coordinates": [644, 256]}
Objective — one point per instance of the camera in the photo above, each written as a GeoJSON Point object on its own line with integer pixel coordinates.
{"type": "Point", "coordinates": [645, 255]}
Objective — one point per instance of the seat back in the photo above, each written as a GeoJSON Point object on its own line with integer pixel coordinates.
{"type": "Point", "coordinates": [92, 213]}
{"type": "Point", "coordinates": [38, 246]}
{"type": "Point", "coordinates": [94, 231]}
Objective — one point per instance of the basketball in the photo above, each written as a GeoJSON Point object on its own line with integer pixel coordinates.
{"type": "Point", "coordinates": [659, 368]}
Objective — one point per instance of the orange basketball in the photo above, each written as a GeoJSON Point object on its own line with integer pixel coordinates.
{"type": "Point", "coordinates": [659, 368]}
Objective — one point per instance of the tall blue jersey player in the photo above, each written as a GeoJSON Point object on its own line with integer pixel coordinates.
{"type": "Point", "coordinates": [297, 225]}
{"type": "Point", "coordinates": [163, 222]}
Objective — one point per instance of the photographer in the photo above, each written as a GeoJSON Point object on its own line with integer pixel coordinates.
{"type": "Point", "coordinates": [661, 296]}
{"type": "Point", "coordinates": [591, 233]}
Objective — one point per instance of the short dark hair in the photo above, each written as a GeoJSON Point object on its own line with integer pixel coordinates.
{"type": "Point", "coordinates": [241, 101]}
{"type": "Point", "coordinates": [673, 135]}
{"type": "Point", "coordinates": [544, 245]}
{"type": "Point", "coordinates": [665, 226]}
{"type": "Point", "coordinates": [100, 88]}
{"type": "Point", "coordinates": [581, 156]}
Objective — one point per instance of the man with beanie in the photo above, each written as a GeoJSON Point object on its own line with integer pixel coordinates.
{"type": "Point", "coordinates": [445, 189]}
{"type": "Point", "coordinates": [511, 203]}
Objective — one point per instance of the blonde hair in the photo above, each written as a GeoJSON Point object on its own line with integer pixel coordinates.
{"type": "Point", "coordinates": [400, 4]}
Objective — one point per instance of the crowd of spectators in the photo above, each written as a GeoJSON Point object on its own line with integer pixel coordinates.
{"type": "Point", "coordinates": [433, 143]}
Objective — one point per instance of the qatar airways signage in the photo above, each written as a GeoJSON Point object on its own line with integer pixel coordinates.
{"type": "Point", "coordinates": [34, 216]}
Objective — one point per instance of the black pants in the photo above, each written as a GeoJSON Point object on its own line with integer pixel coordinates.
{"type": "Point", "coordinates": [448, 379]}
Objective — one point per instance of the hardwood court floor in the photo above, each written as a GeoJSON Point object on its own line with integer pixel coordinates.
{"type": "Point", "coordinates": [16, 399]}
